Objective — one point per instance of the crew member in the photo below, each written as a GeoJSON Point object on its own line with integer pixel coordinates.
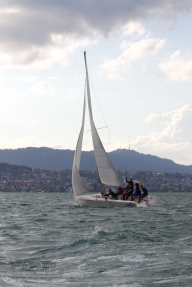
{"type": "Point", "coordinates": [111, 193]}
{"type": "Point", "coordinates": [137, 192]}
{"type": "Point", "coordinates": [144, 194]}
{"type": "Point", "coordinates": [129, 192]}
{"type": "Point", "coordinates": [129, 182]}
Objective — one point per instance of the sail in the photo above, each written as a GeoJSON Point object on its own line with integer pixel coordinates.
{"type": "Point", "coordinates": [106, 171]}
{"type": "Point", "coordinates": [78, 184]}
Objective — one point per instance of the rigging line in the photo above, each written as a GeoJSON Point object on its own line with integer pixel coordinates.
{"type": "Point", "coordinates": [98, 129]}
{"type": "Point", "coordinates": [108, 142]}
{"type": "Point", "coordinates": [101, 112]}
{"type": "Point", "coordinates": [98, 101]}
{"type": "Point", "coordinates": [102, 128]}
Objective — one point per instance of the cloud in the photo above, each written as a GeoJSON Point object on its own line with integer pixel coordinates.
{"type": "Point", "coordinates": [157, 118]}
{"type": "Point", "coordinates": [131, 52]}
{"type": "Point", "coordinates": [43, 57]}
{"type": "Point", "coordinates": [139, 49]}
{"type": "Point", "coordinates": [9, 11]}
{"type": "Point", "coordinates": [174, 141]}
{"type": "Point", "coordinates": [33, 23]}
{"type": "Point", "coordinates": [177, 68]}
{"type": "Point", "coordinates": [171, 131]}
{"type": "Point", "coordinates": [31, 31]}
{"type": "Point", "coordinates": [133, 28]}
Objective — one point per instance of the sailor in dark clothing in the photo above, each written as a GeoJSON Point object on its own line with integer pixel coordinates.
{"type": "Point", "coordinates": [111, 193]}
{"type": "Point", "coordinates": [130, 182]}
{"type": "Point", "coordinates": [114, 194]}
{"type": "Point", "coordinates": [128, 192]}
{"type": "Point", "coordinates": [145, 192]}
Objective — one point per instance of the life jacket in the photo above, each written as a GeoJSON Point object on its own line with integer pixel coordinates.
{"type": "Point", "coordinates": [138, 191]}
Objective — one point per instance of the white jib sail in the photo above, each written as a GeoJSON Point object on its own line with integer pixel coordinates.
{"type": "Point", "coordinates": [78, 184]}
{"type": "Point", "coordinates": [106, 171]}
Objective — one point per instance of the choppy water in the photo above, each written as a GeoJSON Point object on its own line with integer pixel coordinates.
{"type": "Point", "coordinates": [45, 240]}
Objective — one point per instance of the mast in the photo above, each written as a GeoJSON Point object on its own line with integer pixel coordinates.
{"type": "Point", "coordinates": [88, 89]}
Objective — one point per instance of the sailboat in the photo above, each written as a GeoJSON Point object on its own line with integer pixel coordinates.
{"type": "Point", "coordinates": [106, 172]}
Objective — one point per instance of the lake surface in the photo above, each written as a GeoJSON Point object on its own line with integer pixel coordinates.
{"type": "Point", "coordinates": [45, 240]}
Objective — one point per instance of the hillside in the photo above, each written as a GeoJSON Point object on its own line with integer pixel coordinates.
{"type": "Point", "coordinates": [122, 159]}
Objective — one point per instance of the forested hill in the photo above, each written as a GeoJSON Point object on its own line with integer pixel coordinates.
{"type": "Point", "coordinates": [122, 159]}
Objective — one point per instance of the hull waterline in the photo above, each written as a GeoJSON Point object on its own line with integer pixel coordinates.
{"type": "Point", "coordinates": [96, 200]}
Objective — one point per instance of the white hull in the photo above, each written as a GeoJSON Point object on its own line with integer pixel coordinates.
{"type": "Point", "coordinates": [96, 200]}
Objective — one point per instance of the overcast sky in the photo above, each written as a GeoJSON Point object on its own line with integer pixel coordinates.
{"type": "Point", "coordinates": [139, 59]}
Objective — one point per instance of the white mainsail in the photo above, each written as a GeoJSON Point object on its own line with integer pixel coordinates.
{"type": "Point", "coordinates": [78, 184]}
{"type": "Point", "coordinates": [106, 171]}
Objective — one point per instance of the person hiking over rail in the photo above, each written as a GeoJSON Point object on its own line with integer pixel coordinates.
{"type": "Point", "coordinates": [144, 194]}
{"type": "Point", "coordinates": [111, 193]}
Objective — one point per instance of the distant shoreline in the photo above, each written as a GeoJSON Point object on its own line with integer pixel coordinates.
{"type": "Point", "coordinates": [19, 178]}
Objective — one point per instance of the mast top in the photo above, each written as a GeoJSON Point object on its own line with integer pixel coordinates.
{"type": "Point", "coordinates": [85, 59]}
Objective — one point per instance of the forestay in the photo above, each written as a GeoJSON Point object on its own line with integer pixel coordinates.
{"type": "Point", "coordinates": [106, 171]}
{"type": "Point", "coordinates": [78, 184]}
